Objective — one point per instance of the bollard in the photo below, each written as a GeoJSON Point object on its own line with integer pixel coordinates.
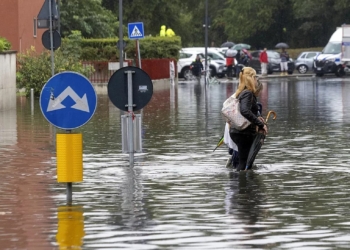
{"type": "Point", "coordinates": [69, 149]}
{"type": "Point", "coordinates": [32, 100]}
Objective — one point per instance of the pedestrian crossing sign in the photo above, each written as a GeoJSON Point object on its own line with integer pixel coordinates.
{"type": "Point", "coordinates": [135, 30]}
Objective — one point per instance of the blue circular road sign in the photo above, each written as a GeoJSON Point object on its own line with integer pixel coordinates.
{"type": "Point", "coordinates": [68, 100]}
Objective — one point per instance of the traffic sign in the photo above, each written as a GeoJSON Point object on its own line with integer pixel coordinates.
{"type": "Point", "coordinates": [142, 88]}
{"type": "Point", "coordinates": [44, 14]}
{"type": "Point", "coordinates": [68, 100]}
{"type": "Point", "coordinates": [135, 30]}
{"type": "Point", "coordinates": [45, 39]}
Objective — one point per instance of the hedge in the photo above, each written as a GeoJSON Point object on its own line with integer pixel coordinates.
{"type": "Point", "coordinates": [150, 47]}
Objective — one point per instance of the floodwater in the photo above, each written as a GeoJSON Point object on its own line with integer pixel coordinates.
{"type": "Point", "coordinates": [179, 195]}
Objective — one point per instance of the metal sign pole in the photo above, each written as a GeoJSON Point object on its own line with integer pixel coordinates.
{"type": "Point", "coordinates": [52, 59]}
{"type": "Point", "coordinates": [139, 54]}
{"type": "Point", "coordinates": [130, 119]}
{"type": "Point", "coordinates": [121, 49]}
{"type": "Point", "coordinates": [51, 40]}
{"type": "Point", "coordinates": [59, 17]}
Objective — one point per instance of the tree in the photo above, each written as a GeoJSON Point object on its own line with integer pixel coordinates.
{"type": "Point", "coordinates": [317, 20]}
{"type": "Point", "coordinates": [87, 16]}
{"type": "Point", "coordinates": [154, 13]}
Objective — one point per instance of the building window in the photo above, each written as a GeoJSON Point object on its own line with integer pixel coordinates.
{"type": "Point", "coordinates": [35, 26]}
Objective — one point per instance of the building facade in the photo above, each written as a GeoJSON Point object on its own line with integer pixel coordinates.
{"type": "Point", "coordinates": [18, 24]}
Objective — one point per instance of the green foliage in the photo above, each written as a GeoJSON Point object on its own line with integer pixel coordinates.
{"type": "Point", "coordinates": [71, 47]}
{"type": "Point", "coordinates": [259, 23]}
{"type": "Point", "coordinates": [150, 47]}
{"type": "Point", "coordinates": [88, 16]}
{"type": "Point", "coordinates": [35, 69]}
{"type": "Point", "coordinates": [90, 54]}
{"type": "Point", "coordinates": [99, 49]}
{"type": "Point", "coordinates": [4, 44]}
{"type": "Point", "coordinates": [158, 47]}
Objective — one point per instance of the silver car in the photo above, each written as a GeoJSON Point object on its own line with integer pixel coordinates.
{"type": "Point", "coordinates": [305, 61]}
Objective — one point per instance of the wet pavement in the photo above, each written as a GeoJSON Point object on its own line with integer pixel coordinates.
{"type": "Point", "coordinates": [179, 195]}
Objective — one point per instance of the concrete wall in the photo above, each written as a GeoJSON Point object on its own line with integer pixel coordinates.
{"type": "Point", "coordinates": [8, 118]}
{"type": "Point", "coordinates": [8, 80]}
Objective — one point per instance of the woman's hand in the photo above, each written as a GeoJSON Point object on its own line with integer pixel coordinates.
{"type": "Point", "coordinates": [265, 126]}
{"type": "Point", "coordinates": [261, 119]}
{"type": "Point", "coordinates": [265, 129]}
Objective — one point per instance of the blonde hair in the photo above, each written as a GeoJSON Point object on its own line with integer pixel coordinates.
{"type": "Point", "coordinates": [247, 81]}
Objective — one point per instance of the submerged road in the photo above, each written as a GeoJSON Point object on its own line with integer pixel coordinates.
{"type": "Point", "coordinates": [179, 195]}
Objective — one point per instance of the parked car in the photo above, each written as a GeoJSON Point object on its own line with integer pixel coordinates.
{"type": "Point", "coordinates": [305, 61]}
{"type": "Point", "coordinates": [274, 59]}
{"type": "Point", "coordinates": [188, 55]}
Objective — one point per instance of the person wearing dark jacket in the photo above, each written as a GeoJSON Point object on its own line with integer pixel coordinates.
{"type": "Point", "coordinates": [197, 67]}
{"type": "Point", "coordinates": [238, 66]}
{"type": "Point", "coordinates": [248, 89]}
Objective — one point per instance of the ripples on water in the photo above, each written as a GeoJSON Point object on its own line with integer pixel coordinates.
{"type": "Point", "coordinates": [179, 194]}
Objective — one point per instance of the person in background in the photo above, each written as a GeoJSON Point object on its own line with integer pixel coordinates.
{"type": "Point", "coordinates": [263, 61]}
{"type": "Point", "coordinates": [169, 32]}
{"type": "Point", "coordinates": [245, 57]}
{"type": "Point", "coordinates": [197, 67]}
{"type": "Point", "coordinates": [248, 89]}
{"type": "Point", "coordinates": [284, 62]}
{"type": "Point", "coordinates": [230, 61]}
{"type": "Point", "coordinates": [239, 61]}
{"type": "Point", "coordinates": [162, 30]}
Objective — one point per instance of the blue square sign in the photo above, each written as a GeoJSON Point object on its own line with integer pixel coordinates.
{"type": "Point", "coordinates": [135, 30]}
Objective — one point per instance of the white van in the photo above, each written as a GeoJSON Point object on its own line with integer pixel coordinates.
{"type": "Point", "coordinates": [329, 61]}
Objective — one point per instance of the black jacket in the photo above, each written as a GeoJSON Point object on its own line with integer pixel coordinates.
{"type": "Point", "coordinates": [197, 67]}
{"type": "Point", "coordinates": [249, 109]}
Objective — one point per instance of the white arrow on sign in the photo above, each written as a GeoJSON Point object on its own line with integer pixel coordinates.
{"type": "Point", "coordinates": [80, 103]}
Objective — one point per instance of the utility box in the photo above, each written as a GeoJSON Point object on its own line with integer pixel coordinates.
{"type": "Point", "coordinates": [137, 133]}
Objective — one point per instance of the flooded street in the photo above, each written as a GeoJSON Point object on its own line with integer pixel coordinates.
{"type": "Point", "coordinates": [180, 195]}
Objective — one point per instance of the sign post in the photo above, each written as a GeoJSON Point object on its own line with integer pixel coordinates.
{"type": "Point", "coordinates": [51, 41]}
{"type": "Point", "coordinates": [68, 101]}
{"type": "Point", "coordinates": [48, 18]}
{"type": "Point", "coordinates": [136, 31]}
{"type": "Point", "coordinates": [130, 89]}
{"type": "Point", "coordinates": [130, 113]}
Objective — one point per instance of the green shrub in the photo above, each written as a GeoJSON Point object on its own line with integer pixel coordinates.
{"type": "Point", "coordinates": [89, 54]}
{"type": "Point", "coordinates": [110, 52]}
{"type": "Point", "coordinates": [35, 69]}
{"type": "Point", "coordinates": [4, 44]}
{"type": "Point", "coordinates": [294, 53]}
{"type": "Point", "coordinates": [150, 47]}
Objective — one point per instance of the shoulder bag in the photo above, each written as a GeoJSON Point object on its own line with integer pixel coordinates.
{"type": "Point", "coordinates": [232, 114]}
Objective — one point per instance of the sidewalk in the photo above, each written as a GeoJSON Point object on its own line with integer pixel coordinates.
{"type": "Point", "coordinates": [277, 75]}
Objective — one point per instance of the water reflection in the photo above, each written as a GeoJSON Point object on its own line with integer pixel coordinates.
{"type": "Point", "coordinates": [134, 215]}
{"type": "Point", "coordinates": [246, 196]}
{"type": "Point", "coordinates": [70, 231]}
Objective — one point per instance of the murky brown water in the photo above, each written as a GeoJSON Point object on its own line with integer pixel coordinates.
{"type": "Point", "coordinates": [179, 194]}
